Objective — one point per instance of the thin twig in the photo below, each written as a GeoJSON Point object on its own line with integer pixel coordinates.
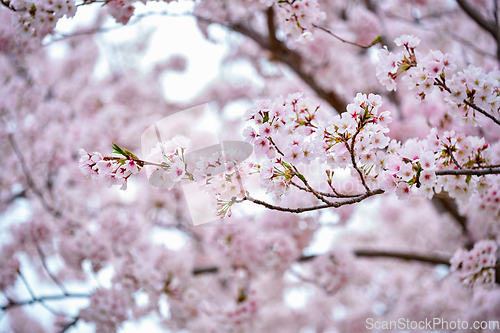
{"type": "Point", "coordinates": [12, 304]}
{"type": "Point", "coordinates": [7, 4]}
{"type": "Point", "coordinates": [336, 204]}
{"type": "Point", "coordinates": [442, 84]}
{"type": "Point", "coordinates": [29, 179]}
{"type": "Point", "coordinates": [325, 194]}
{"type": "Point", "coordinates": [306, 183]}
{"type": "Point", "coordinates": [32, 293]}
{"type": "Point", "coordinates": [491, 27]}
{"type": "Point", "coordinates": [69, 325]}
{"type": "Point", "coordinates": [477, 17]}
{"type": "Point", "coordinates": [428, 259]}
{"type": "Point", "coordinates": [375, 41]}
{"type": "Point", "coordinates": [284, 209]}
{"type": "Point", "coordinates": [478, 109]}
{"type": "Point", "coordinates": [470, 45]}
{"type": "Point", "coordinates": [455, 160]}
{"type": "Point", "coordinates": [353, 161]}
{"type": "Point", "coordinates": [403, 255]}
{"type": "Point", "coordinates": [140, 162]}
{"type": "Point", "coordinates": [52, 276]}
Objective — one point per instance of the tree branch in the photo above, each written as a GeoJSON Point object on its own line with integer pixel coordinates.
{"type": "Point", "coordinates": [271, 27]}
{"type": "Point", "coordinates": [7, 4]}
{"type": "Point", "coordinates": [52, 276]}
{"type": "Point", "coordinates": [325, 194]}
{"type": "Point", "coordinates": [69, 325]}
{"type": "Point", "coordinates": [443, 204]}
{"type": "Point", "coordinates": [289, 57]}
{"type": "Point", "coordinates": [359, 253]}
{"type": "Point", "coordinates": [375, 41]}
{"type": "Point", "coordinates": [403, 255]}
{"type": "Point", "coordinates": [12, 304]}
{"type": "Point", "coordinates": [369, 193]}
{"type": "Point", "coordinates": [30, 180]}
{"type": "Point", "coordinates": [335, 204]}
{"type": "Point", "coordinates": [468, 172]}
{"type": "Point", "coordinates": [491, 27]}
{"type": "Point", "coordinates": [478, 18]}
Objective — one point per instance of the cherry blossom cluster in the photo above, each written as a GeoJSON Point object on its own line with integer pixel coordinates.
{"type": "Point", "coordinates": [289, 134]}
{"type": "Point", "coordinates": [9, 268]}
{"type": "Point", "coordinates": [274, 251]}
{"type": "Point", "coordinates": [358, 137]}
{"type": "Point", "coordinates": [285, 123]}
{"type": "Point", "coordinates": [297, 17]}
{"type": "Point", "coordinates": [114, 170]}
{"type": "Point", "coordinates": [412, 166]}
{"type": "Point", "coordinates": [469, 92]}
{"type": "Point", "coordinates": [36, 19]}
{"type": "Point", "coordinates": [484, 209]}
{"type": "Point", "coordinates": [477, 266]}
{"type": "Point", "coordinates": [222, 176]}
{"type": "Point", "coordinates": [149, 274]}
{"type": "Point", "coordinates": [331, 270]}
{"type": "Point", "coordinates": [122, 10]}
{"type": "Point", "coordinates": [240, 317]}
{"type": "Point", "coordinates": [108, 309]}
{"type": "Point", "coordinates": [473, 87]}
{"type": "Point", "coordinates": [184, 308]}
{"type": "Point", "coordinates": [82, 246]}
{"type": "Point", "coordinates": [167, 165]}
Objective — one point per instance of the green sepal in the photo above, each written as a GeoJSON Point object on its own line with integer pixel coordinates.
{"type": "Point", "coordinates": [377, 40]}
{"type": "Point", "coordinates": [122, 151]}
{"type": "Point", "coordinates": [467, 179]}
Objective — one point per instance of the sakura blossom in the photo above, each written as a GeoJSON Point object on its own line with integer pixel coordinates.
{"type": "Point", "coordinates": [370, 187]}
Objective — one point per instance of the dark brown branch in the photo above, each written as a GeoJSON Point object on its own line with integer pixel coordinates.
{"type": "Point", "coordinates": [353, 161]}
{"type": "Point", "coordinates": [467, 172]}
{"type": "Point", "coordinates": [206, 270]}
{"type": "Point", "coordinates": [442, 84]}
{"type": "Point", "coordinates": [454, 160]}
{"type": "Point", "coordinates": [444, 204]}
{"type": "Point", "coordinates": [478, 18]}
{"type": "Point", "coordinates": [359, 253]}
{"type": "Point", "coordinates": [310, 189]}
{"type": "Point", "coordinates": [470, 45]}
{"type": "Point", "coordinates": [375, 41]}
{"type": "Point", "coordinates": [12, 304]}
{"type": "Point", "coordinates": [325, 194]}
{"type": "Point", "coordinates": [478, 109]}
{"type": "Point", "coordinates": [491, 27]}
{"type": "Point", "coordinates": [495, 11]}
{"type": "Point", "coordinates": [336, 204]}
{"type": "Point", "coordinates": [32, 294]}
{"type": "Point", "coordinates": [271, 27]}
{"type": "Point", "coordinates": [285, 209]}
{"type": "Point", "coordinates": [369, 193]}
{"type": "Point", "coordinates": [7, 4]}
{"type": "Point", "coordinates": [404, 256]}
{"type": "Point", "coordinates": [21, 194]}
{"type": "Point", "coordinates": [69, 325]}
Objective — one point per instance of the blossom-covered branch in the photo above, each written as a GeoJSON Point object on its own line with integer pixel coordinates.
{"type": "Point", "coordinates": [291, 135]}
